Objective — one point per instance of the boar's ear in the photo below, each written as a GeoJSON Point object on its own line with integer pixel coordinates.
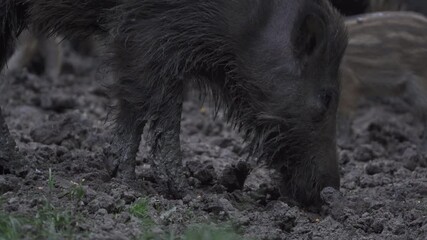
{"type": "Point", "coordinates": [308, 36]}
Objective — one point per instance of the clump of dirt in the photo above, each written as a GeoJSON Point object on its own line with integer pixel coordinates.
{"type": "Point", "coordinates": [61, 130]}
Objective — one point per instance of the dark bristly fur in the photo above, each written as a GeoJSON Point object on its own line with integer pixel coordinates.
{"type": "Point", "coordinates": [12, 22]}
{"type": "Point", "coordinates": [271, 64]}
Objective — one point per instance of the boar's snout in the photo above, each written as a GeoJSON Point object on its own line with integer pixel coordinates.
{"type": "Point", "coordinates": [304, 184]}
{"type": "Point", "coordinates": [307, 170]}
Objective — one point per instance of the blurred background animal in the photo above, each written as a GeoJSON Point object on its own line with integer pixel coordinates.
{"type": "Point", "coordinates": [385, 59]}
{"type": "Point", "coordinates": [42, 55]}
{"type": "Point", "coordinates": [38, 54]}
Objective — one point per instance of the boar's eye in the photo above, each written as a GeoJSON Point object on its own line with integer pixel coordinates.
{"type": "Point", "coordinates": [308, 37]}
{"type": "Point", "coordinates": [325, 100]}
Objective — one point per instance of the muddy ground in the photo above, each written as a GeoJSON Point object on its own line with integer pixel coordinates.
{"type": "Point", "coordinates": [61, 125]}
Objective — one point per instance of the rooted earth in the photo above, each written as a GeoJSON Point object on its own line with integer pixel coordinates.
{"type": "Point", "coordinates": [63, 130]}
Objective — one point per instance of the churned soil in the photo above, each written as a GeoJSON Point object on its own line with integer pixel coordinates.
{"type": "Point", "coordinates": [63, 130]}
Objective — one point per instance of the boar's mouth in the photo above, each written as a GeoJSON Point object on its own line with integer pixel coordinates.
{"type": "Point", "coordinates": [306, 168]}
{"type": "Point", "coordinates": [303, 183]}
{"type": "Point", "coordinates": [304, 177]}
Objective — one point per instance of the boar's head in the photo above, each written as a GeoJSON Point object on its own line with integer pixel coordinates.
{"type": "Point", "coordinates": [287, 57]}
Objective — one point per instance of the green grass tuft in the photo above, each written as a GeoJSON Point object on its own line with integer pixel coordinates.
{"type": "Point", "coordinates": [207, 232]}
{"type": "Point", "coordinates": [199, 232]}
{"type": "Point", "coordinates": [77, 191]}
{"type": "Point", "coordinates": [10, 227]}
{"type": "Point", "coordinates": [48, 223]}
{"type": "Point", "coordinates": [140, 209]}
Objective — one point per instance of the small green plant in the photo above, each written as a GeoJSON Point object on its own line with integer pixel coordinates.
{"type": "Point", "coordinates": [56, 224]}
{"type": "Point", "coordinates": [140, 210]}
{"type": "Point", "coordinates": [199, 232]}
{"type": "Point", "coordinates": [153, 236]}
{"type": "Point", "coordinates": [77, 190]}
{"type": "Point", "coordinates": [208, 232]}
{"type": "Point", "coordinates": [10, 227]}
{"type": "Point", "coordinates": [48, 223]}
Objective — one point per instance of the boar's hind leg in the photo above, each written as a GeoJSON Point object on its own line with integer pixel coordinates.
{"type": "Point", "coordinates": [125, 146]}
{"type": "Point", "coordinates": [165, 142]}
{"type": "Point", "coordinates": [10, 160]}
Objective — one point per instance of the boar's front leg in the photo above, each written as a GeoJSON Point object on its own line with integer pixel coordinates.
{"type": "Point", "coordinates": [165, 142]}
{"type": "Point", "coordinates": [162, 107]}
{"type": "Point", "coordinates": [128, 131]}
